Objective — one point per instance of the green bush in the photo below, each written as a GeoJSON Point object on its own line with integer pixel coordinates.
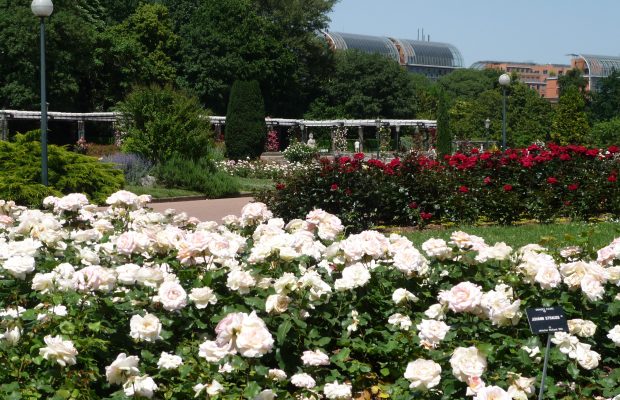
{"type": "Point", "coordinates": [300, 152]}
{"type": "Point", "coordinates": [158, 122]}
{"type": "Point", "coordinates": [68, 172]}
{"type": "Point", "coordinates": [246, 131]}
{"type": "Point", "coordinates": [199, 175]}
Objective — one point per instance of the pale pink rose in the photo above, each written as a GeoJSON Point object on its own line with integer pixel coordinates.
{"type": "Point", "coordinates": [315, 358]}
{"type": "Point", "coordinates": [212, 352]}
{"type": "Point", "coordinates": [122, 369]}
{"type": "Point", "coordinates": [467, 362]}
{"type": "Point", "coordinates": [59, 350]}
{"type": "Point", "coordinates": [464, 297]}
{"type": "Point", "coordinates": [228, 327]}
{"type": "Point", "coordinates": [172, 296]}
{"type": "Point", "coordinates": [254, 339]}
{"type": "Point", "coordinates": [337, 391]}
{"type": "Point", "coordinates": [423, 374]}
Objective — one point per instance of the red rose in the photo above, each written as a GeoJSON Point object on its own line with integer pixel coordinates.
{"type": "Point", "coordinates": [611, 178]}
{"type": "Point", "coordinates": [613, 149]}
{"type": "Point", "coordinates": [413, 205]}
{"type": "Point", "coordinates": [280, 186]}
{"type": "Point", "coordinates": [487, 180]}
{"type": "Point", "coordinates": [507, 188]}
{"type": "Point", "coordinates": [463, 189]}
{"type": "Point", "coordinates": [334, 186]}
{"type": "Point", "coordinates": [425, 215]}
{"type": "Point", "coordinates": [564, 157]}
{"type": "Point", "coordinates": [358, 156]}
{"type": "Point", "coordinates": [573, 186]}
{"type": "Point", "coordinates": [552, 180]}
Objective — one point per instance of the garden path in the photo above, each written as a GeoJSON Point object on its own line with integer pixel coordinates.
{"type": "Point", "coordinates": [206, 210]}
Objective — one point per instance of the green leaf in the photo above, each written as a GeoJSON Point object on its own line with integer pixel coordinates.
{"type": "Point", "coordinates": [283, 330]}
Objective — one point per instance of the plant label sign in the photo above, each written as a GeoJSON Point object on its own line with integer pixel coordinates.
{"type": "Point", "coordinates": [546, 320]}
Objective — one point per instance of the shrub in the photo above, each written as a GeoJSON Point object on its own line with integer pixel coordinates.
{"type": "Point", "coordinates": [178, 309]}
{"type": "Point", "coordinates": [245, 133]}
{"type": "Point", "coordinates": [68, 172]}
{"type": "Point", "coordinates": [158, 122]}
{"type": "Point", "coordinates": [134, 166]}
{"type": "Point", "coordinates": [300, 152]}
{"type": "Point", "coordinates": [444, 134]}
{"type": "Point", "coordinates": [533, 183]}
{"type": "Point", "coordinates": [199, 175]}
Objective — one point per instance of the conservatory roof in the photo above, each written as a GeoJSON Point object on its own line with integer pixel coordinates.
{"type": "Point", "coordinates": [365, 43]}
{"type": "Point", "coordinates": [600, 66]}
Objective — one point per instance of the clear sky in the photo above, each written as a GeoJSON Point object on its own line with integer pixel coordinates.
{"type": "Point", "coordinates": [541, 31]}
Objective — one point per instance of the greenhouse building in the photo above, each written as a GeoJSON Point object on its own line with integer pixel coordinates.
{"type": "Point", "coordinates": [432, 59]}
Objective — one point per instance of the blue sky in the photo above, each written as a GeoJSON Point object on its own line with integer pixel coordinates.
{"type": "Point", "coordinates": [541, 31]}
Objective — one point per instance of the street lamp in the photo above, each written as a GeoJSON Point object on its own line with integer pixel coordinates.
{"type": "Point", "coordinates": [487, 124]}
{"type": "Point", "coordinates": [42, 9]}
{"type": "Point", "coordinates": [504, 81]}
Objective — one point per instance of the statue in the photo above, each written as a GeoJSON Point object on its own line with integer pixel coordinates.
{"type": "Point", "coordinates": [311, 142]}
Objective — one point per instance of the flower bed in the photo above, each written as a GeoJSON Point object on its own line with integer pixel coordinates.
{"type": "Point", "coordinates": [258, 169]}
{"type": "Point", "coordinates": [533, 183]}
{"type": "Point", "coordinates": [130, 303]}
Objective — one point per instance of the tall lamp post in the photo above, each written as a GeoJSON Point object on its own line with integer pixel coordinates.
{"type": "Point", "coordinates": [42, 9]}
{"type": "Point", "coordinates": [487, 125]}
{"type": "Point", "coordinates": [504, 81]}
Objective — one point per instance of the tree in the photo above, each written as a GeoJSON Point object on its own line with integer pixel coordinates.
{"type": "Point", "coordinates": [606, 133]}
{"type": "Point", "coordinates": [606, 101]}
{"type": "Point", "coordinates": [139, 51]}
{"type": "Point", "coordinates": [159, 122]}
{"type": "Point", "coordinates": [246, 131]}
{"type": "Point", "coordinates": [468, 83]}
{"type": "Point", "coordinates": [70, 37]}
{"type": "Point", "coordinates": [570, 122]}
{"type": "Point", "coordinates": [365, 86]}
{"type": "Point", "coordinates": [572, 78]}
{"type": "Point", "coordinates": [226, 41]}
{"type": "Point", "coordinates": [444, 135]}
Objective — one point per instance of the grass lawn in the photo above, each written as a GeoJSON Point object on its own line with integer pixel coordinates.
{"type": "Point", "coordinates": [161, 192]}
{"type": "Point", "coordinates": [251, 185]}
{"type": "Point", "coordinates": [556, 235]}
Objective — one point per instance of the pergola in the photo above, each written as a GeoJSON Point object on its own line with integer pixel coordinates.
{"type": "Point", "coordinates": [218, 122]}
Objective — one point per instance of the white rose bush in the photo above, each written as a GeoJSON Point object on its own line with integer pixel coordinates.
{"type": "Point", "coordinates": [123, 303]}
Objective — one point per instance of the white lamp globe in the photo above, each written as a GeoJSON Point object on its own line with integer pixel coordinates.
{"type": "Point", "coordinates": [504, 79]}
{"type": "Point", "coordinates": [42, 8]}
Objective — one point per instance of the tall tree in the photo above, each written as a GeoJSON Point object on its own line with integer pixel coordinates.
{"type": "Point", "coordinates": [573, 78]}
{"type": "Point", "coordinates": [245, 121]}
{"type": "Point", "coordinates": [468, 83]}
{"type": "Point", "coordinates": [365, 86]}
{"type": "Point", "coordinates": [570, 121]}
{"type": "Point", "coordinates": [444, 135]}
{"type": "Point", "coordinates": [606, 101]}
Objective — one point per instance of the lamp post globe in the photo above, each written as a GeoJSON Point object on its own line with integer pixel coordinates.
{"type": "Point", "coordinates": [42, 8]}
{"type": "Point", "coordinates": [504, 81]}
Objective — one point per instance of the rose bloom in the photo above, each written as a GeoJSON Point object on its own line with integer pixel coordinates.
{"type": "Point", "coordinates": [403, 322]}
{"type": "Point", "coordinates": [587, 359]}
{"type": "Point", "coordinates": [467, 362]}
{"type": "Point", "coordinates": [401, 296]}
{"type": "Point", "coordinates": [548, 276]}
{"type": "Point", "coordinates": [266, 394]}
{"type": "Point", "coordinates": [581, 328]}
{"type": "Point", "coordinates": [303, 380]}
{"type": "Point", "coordinates": [423, 374]}
{"type": "Point", "coordinates": [147, 328]}
{"type": "Point", "coordinates": [315, 358]}
{"type": "Point", "coordinates": [492, 393]}
{"type": "Point", "coordinates": [277, 303]}
{"type": "Point", "coordinates": [202, 297]}
{"type": "Point", "coordinates": [19, 266]}
{"type": "Point", "coordinates": [95, 277]}
{"type": "Point", "coordinates": [121, 369]}
{"type": "Point", "coordinates": [592, 287]}
{"type": "Point", "coordinates": [276, 374]}
{"type": "Point", "coordinates": [337, 391]}
{"type": "Point", "coordinates": [172, 296]}
{"type": "Point", "coordinates": [431, 332]}
{"type": "Point", "coordinates": [614, 335]}
{"type": "Point", "coordinates": [140, 385]}
{"type": "Point", "coordinates": [464, 297]}
{"type": "Point", "coordinates": [566, 343]}
{"type": "Point", "coordinates": [411, 262]}
{"type": "Point", "coordinates": [211, 351]}
{"type": "Point", "coordinates": [254, 213]}
{"type": "Point", "coordinates": [254, 339]}
{"type": "Point", "coordinates": [169, 361]}
{"type": "Point", "coordinates": [353, 276]}
{"type": "Point", "coordinates": [437, 248]}
{"type": "Point", "coordinates": [59, 350]}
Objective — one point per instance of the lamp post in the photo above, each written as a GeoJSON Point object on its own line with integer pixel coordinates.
{"type": "Point", "coordinates": [42, 9]}
{"type": "Point", "coordinates": [504, 81]}
{"type": "Point", "coordinates": [378, 125]}
{"type": "Point", "coordinates": [487, 124]}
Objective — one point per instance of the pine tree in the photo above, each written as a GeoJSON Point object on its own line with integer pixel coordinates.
{"type": "Point", "coordinates": [444, 136]}
{"type": "Point", "coordinates": [246, 132]}
{"type": "Point", "coordinates": [570, 122]}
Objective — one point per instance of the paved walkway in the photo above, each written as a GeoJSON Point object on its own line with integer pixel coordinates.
{"type": "Point", "coordinates": [206, 210]}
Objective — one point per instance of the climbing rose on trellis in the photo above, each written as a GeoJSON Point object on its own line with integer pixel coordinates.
{"type": "Point", "coordinates": [273, 144]}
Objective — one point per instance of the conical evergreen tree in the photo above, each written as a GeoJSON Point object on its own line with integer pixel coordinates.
{"type": "Point", "coordinates": [246, 131]}
{"type": "Point", "coordinates": [444, 136]}
{"type": "Point", "coordinates": [570, 123]}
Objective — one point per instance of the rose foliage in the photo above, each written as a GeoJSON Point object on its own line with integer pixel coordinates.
{"type": "Point", "coordinates": [127, 303]}
{"type": "Point", "coordinates": [541, 183]}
